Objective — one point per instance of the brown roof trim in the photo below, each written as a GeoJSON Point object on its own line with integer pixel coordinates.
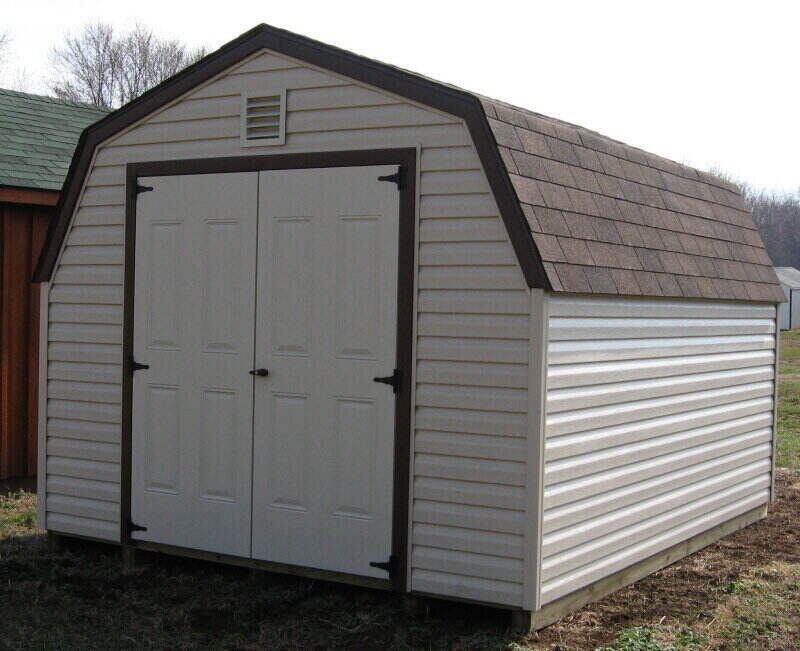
{"type": "Point", "coordinates": [28, 196]}
{"type": "Point", "coordinates": [419, 89]}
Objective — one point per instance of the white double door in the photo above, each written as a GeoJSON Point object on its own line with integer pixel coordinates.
{"type": "Point", "coordinates": [295, 272]}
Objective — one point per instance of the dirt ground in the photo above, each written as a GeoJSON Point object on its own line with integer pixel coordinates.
{"type": "Point", "coordinates": [741, 593]}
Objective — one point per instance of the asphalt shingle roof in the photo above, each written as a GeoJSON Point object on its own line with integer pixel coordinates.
{"type": "Point", "coordinates": [37, 138]}
{"type": "Point", "coordinates": [608, 218]}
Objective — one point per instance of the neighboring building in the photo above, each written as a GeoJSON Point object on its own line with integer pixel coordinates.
{"type": "Point", "coordinates": [37, 138]}
{"type": "Point", "coordinates": [572, 341]}
{"type": "Point", "coordinates": [789, 312]}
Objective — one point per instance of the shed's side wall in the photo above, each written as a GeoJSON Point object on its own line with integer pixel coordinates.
{"type": "Point", "coordinates": [472, 323]}
{"type": "Point", "coordinates": [659, 426]}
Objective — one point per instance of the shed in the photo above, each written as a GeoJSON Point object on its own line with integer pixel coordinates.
{"type": "Point", "coordinates": [37, 139]}
{"type": "Point", "coordinates": [312, 313]}
{"type": "Point", "coordinates": [789, 310]}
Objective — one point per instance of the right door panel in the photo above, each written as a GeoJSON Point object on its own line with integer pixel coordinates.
{"type": "Point", "coordinates": [326, 326]}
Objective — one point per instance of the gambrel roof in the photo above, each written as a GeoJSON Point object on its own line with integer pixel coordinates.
{"type": "Point", "coordinates": [584, 213]}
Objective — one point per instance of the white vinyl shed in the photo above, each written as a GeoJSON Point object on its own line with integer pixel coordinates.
{"type": "Point", "coordinates": [312, 313]}
{"type": "Point", "coordinates": [789, 310]}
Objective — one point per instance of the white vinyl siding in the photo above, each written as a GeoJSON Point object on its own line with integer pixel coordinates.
{"type": "Point", "coordinates": [472, 325]}
{"type": "Point", "coordinates": [659, 426]}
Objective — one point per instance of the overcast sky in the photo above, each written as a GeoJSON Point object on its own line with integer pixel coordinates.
{"type": "Point", "coordinates": [711, 84]}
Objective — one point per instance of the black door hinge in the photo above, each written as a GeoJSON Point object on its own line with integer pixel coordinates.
{"type": "Point", "coordinates": [398, 177]}
{"type": "Point", "coordinates": [135, 527]}
{"type": "Point", "coordinates": [143, 188]}
{"type": "Point", "coordinates": [395, 380]}
{"type": "Point", "coordinates": [390, 566]}
{"type": "Point", "coordinates": [136, 366]}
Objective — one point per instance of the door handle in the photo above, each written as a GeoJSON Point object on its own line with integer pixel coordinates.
{"type": "Point", "coordinates": [260, 372]}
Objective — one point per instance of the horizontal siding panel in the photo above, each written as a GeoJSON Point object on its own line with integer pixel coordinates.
{"type": "Point", "coordinates": [571, 352]}
{"type": "Point", "coordinates": [334, 97]}
{"type": "Point", "coordinates": [102, 215]}
{"type": "Point", "coordinates": [461, 587]}
{"type": "Point", "coordinates": [105, 491]}
{"type": "Point", "coordinates": [76, 449]}
{"type": "Point", "coordinates": [368, 117]}
{"type": "Point", "coordinates": [95, 412]}
{"type": "Point", "coordinates": [489, 471]}
{"type": "Point", "coordinates": [658, 427]}
{"type": "Point", "coordinates": [449, 158]}
{"type": "Point", "coordinates": [448, 207]}
{"type": "Point", "coordinates": [448, 254]}
{"type": "Point", "coordinates": [92, 313]}
{"type": "Point", "coordinates": [473, 374]}
{"type": "Point", "coordinates": [120, 155]}
{"type": "Point", "coordinates": [90, 274]}
{"type": "Point", "coordinates": [105, 195]}
{"type": "Point", "coordinates": [468, 540]}
{"type": "Point", "coordinates": [453, 182]}
{"type": "Point", "coordinates": [84, 391]}
{"type": "Point", "coordinates": [598, 395]}
{"type": "Point", "coordinates": [477, 398]}
{"type": "Point", "coordinates": [288, 78]}
{"type": "Point", "coordinates": [573, 375]}
{"type": "Point", "coordinates": [81, 372]}
{"type": "Point", "coordinates": [93, 528]}
{"type": "Point", "coordinates": [83, 430]}
{"type": "Point", "coordinates": [93, 255]}
{"type": "Point", "coordinates": [261, 63]}
{"type": "Point", "coordinates": [465, 277]}
{"type": "Point", "coordinates": [575, 557]}
{"type": "Point", "coordinates": [105, 234]}
{"type": "Point", "coordinates": [471, 517]}
{"type": "Point", "coordinates": [605, 481]}
{"type": "Point", "coordinates": [82, 468]}
{"type": "Point", "coordinates": [568, 537]}
{"type": "Point", "coordinates": [85, 333]}
{"type": "Point", "coordinates": [496, 424]}
{"type": "Point", "coordinates": [478, 446]}
{"type": "Point", "coordinates": [581, 420]}
{"type": "Point", "coordinates": [472, 350]}
{"type": "Point", "coordinates": [437, 135]}
{"type": "Point", "coordinates": [573, 329]}
{"type": "Point", "coordinates": [106, 175]}
{"type": "Point", "coordinates": [82, 507]}
{"type": "Point", "coordinates": [462, 229]}
{"type": "Point", "coordinates": [660, 433]}
{"type": "Point", "coordinates": [573, 306]}
{"type": "Point", "coordinates": [473, 493]}
{"type": "Point", "coordinates": [756, 457]}
{"type": "Point", "coordinates": [87, 294]}
{"type": "Point", "coordinates": [554, 588]}
{"type": "Point", "coordinates": [467, 564]}
{"type": "Point", "coordinates": [473, 325]}
{"type": "Point", "coordinates": [90, 353]}
{"type": "Point", "coordinates": [474, 301]}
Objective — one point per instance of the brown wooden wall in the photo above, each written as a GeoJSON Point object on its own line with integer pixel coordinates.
{"type": "Point", "coordinates": [22, 232]}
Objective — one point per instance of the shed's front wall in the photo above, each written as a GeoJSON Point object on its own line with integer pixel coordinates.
{"type": "Point", "coordinates": [469, 457]}
{"type": "Point", "coordinates": [659, 426]}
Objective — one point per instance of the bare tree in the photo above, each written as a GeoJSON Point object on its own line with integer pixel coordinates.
{"type": "Point", "coordinates": [5, 39]}
{"type": "Point", "coordinates": [99, 67]}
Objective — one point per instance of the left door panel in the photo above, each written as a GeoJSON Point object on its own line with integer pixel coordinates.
{"type": "Point", "coordinates": [192, 422]}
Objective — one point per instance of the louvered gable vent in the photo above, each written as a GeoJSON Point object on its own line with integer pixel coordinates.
{"type": "Point", "coordinates": [264, 118]}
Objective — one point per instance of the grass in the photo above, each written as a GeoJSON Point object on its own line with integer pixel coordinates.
{"type": "Point", "coordinates": [742, 593]}
{"type": "Point", "coordinates": [788, 453]}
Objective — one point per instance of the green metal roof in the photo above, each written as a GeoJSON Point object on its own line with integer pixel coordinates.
{"type": "Point", "coordinates": [37, 137]}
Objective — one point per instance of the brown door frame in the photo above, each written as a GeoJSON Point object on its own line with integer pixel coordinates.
{"type": "Point", "coordinates": [406, 159]}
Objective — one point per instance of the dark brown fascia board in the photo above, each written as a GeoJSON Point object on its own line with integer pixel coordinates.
{"type": "Point", "coordinates": [450, 100]}
{"type": "Point", "coordinates": [28, 196]}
